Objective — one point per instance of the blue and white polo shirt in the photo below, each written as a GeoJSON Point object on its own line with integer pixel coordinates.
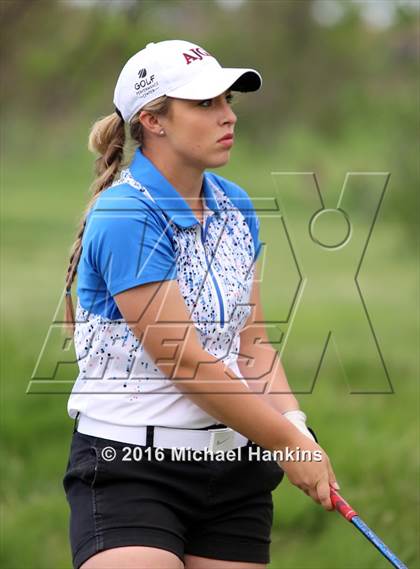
{"type": "Point", "coordinates": [142, 230]}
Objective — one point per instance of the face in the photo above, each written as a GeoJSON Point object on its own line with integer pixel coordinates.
{"type": "Point", "coordinates": [193, 130]}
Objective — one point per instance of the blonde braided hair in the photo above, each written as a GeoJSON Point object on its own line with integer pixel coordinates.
{"type": "Point", "coordinates": [106, 138]}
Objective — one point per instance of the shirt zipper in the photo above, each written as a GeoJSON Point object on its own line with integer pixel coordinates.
{"type": "Point", "coordinates": [203, 233]}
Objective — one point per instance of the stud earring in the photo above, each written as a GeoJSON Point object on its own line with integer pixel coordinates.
{"type": "Point", "coordinates": [162, 132]}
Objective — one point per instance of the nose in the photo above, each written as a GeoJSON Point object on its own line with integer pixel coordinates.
{"type": "Point", "coordinates": [227, 115]}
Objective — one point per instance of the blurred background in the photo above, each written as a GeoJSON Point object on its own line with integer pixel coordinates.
{"type": "Point", "coordinates": [340, 94]}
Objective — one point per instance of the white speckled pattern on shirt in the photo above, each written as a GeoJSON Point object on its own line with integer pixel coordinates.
{"type": "Point", "coordinates": [114, 365]}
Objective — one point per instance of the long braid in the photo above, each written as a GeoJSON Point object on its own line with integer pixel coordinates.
{"type": "Point", "coordinates": [107, 137]}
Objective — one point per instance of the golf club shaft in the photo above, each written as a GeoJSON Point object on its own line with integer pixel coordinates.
{"type": "Point", "coordinates": [349, 514]}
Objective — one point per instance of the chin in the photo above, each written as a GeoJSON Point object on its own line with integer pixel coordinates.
{"type": "Point", "coordinates": [219, 161]}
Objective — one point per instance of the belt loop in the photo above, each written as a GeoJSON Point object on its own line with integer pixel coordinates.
{"type": "Point", "coordinates": [76, 422]}
{"type": "Point", "coordinates": [149, 435]}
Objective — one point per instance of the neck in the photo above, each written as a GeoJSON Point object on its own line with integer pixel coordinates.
{"type": "Point", "coordinates": [183, 176]}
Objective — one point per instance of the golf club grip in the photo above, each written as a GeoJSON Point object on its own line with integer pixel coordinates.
{"type": "Point", "coordinates": [341, 505]}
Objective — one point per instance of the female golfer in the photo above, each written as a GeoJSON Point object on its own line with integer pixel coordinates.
{"type": "Point", "coordinates": [176, 448]}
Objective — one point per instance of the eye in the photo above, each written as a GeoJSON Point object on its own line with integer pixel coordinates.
{"type": "Point", "coordinates": [208, 102]}
{"type": "Point", "coordinates": [204, 103]}
{"type": "Point", "coordinates": [230, 98]}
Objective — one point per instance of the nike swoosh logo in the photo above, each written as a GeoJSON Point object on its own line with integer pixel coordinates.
{"type": "Point", "coordinates": [220, 442]}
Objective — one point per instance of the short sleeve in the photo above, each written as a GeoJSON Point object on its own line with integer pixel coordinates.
{"type": "Point", "coordinates": [128, 245]}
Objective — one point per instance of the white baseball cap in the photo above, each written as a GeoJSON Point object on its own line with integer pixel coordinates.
{"type": "Point", "coordinates": [179, 69]}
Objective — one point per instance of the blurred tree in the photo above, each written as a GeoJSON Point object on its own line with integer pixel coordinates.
{"type": "Point", "coordinates": [349, 83]}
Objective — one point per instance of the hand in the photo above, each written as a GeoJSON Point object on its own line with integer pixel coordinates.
{"type": "Point", "coordinates": [314, 477]}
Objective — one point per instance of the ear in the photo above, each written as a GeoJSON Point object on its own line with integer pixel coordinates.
{"type": "Point", "coordinates": [150, 122]}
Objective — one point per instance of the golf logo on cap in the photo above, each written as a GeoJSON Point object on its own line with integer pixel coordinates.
{"type": "Point", "coordinates": [145, 85]}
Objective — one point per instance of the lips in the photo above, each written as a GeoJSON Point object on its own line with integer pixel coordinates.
{"type": "Point", "coordinates": [226, 137]}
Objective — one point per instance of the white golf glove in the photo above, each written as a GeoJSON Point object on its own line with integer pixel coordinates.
{"type": "Point", "coordinates": [298, 418]}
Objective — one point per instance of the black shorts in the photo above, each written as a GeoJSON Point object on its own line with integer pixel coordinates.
{"type": "Point", "coordinates": [221, 509]}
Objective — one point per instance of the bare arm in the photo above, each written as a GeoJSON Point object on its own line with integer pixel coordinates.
{"type": "Point", "coordinates": [259, 362]}
{"type": "Point", "coordinates": [169, 336]}
{"type": "Point", "coordinates": [158, 316]}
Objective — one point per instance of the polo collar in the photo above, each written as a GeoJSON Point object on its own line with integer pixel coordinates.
{"type": "Point", "coordinates": [168, 199]}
